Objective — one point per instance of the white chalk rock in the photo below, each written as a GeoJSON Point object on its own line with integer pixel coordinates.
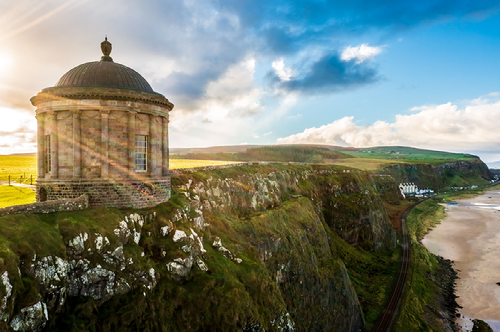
{"type": "Point", "coordinates": [4, 280]}
{"type": "Point", "coordinates": [165, 230]}
{"type": "Point", "coordinates": [179, 236]}
{"type": "Point", "coordinates": [201, 265]}
{"type": "Point", "coordinates": [78, 243]}
{"type": "Point", "coordinates": [32, 318]}
{"type": "Point", "coordinates": [217, 243]}
{"type": "Point", "coordinates": [180, 268]}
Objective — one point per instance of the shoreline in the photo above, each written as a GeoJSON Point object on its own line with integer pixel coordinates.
{"type": "Point", "coordinates": [469, 235]}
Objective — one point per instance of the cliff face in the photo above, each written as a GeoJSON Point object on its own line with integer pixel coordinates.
{"type": "Point", "coordinates": [245, 248]}
{"type": "Point", "coordinates": [439, 176]}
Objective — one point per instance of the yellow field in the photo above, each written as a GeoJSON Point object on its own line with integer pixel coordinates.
{"type": "Point", "coordinates": [363, 163]}
{"type": "Point", "coordinates": [12, 195]}
{"type": "Point", "coordinates": [15, 166]}
{"type": "Point", "coordinates": [190, 163]}
{"type": "Point", "coordinates": [19, 165]}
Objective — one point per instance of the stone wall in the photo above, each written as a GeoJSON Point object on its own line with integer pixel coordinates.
{"type": "Point", "coordinates": [122, 194]}
{"type": "Point", "coordinates": [75, 204]}
{"type": "Point", "coordinates": [103, 140]}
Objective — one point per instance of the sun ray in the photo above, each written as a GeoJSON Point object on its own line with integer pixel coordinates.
{"type": "Point", "coordinates": [38, 20]}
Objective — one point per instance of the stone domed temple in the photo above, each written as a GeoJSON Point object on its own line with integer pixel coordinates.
{"type": "Point", "coordinates": [103, 131]}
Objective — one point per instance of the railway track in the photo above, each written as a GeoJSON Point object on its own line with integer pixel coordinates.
{"type": "Point", "coordinates": [386, 319]}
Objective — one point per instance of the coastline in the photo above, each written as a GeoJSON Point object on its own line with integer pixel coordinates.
{"type": "Point", "coordinates": [469, 235]}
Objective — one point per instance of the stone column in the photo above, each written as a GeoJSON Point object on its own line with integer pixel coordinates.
{"type": "Point", "coordinates": [77, 144]}
{"type": "Point", "coordinates": [131, 143]}
{"type": "Point", "coordinates": [40, 119]}
{"type": "Point", "coordinates": [164, 141]}
{"type": "Point", "coordinates": [54, 146]}
{"type": "Point", "coordinates": [105, 144]}
{"type": "Point", "coordinates": [153, 146]}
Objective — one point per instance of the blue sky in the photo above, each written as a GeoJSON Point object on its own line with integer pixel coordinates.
{"type": "Point", "coordinates": [356, 73]}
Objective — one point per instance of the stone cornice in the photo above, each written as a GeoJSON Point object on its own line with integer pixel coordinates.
{"type": "Point", "coordinates": [103, 106]}
{"type": "Point", "coordinates": [96, 93]}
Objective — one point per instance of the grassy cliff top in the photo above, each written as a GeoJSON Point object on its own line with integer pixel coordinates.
{"type": "Point", "coordinates": [410, 155]}
{"type": "Point", "coordinates": [364, 158]}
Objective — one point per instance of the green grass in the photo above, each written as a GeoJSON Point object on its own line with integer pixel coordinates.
{"type": "Point", "coordinates": [15, 166]}
{"type": "Point", "coordinates": [421, 290]}
{"type": "Point", "coordinates": [12, 195]}
{"type": "Point", "coordinates": [411, 155]}
{"type": "Point", "coordinates": [290, 153]}
{"type": "Point", "coordinates": [372, 275]}
{"type": "Point", "coordinates": [423, 285]}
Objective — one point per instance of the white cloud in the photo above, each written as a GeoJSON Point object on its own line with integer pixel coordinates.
{"type": "Point", "coordinates": [361, 53]}
{"type": "Point", "coordinates": [17, 131]}
{"type": "Point", "coordinates": [267, 134]}
{"type": "Point", "coordinates": [474, 127]}
{"type": "Point", "coordinates": [284, 73]}
{"type": "Point", "coordinates": [226, 113]}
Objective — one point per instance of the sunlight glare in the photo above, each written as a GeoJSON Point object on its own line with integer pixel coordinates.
{"type": "Point", "coordinates": [5, 62]}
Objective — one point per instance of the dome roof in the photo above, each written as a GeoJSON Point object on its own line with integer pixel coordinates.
{"type": "Point", "coordinates": [104, 73]}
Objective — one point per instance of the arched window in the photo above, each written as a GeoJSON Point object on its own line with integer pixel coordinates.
{"type": "Point", "coordinates": [42, 194]}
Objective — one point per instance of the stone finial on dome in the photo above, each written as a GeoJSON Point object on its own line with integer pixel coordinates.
{"type": "Point", "coordinates": [106, 50]}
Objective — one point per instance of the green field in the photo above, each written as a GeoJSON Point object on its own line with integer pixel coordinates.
{"type": "Point", "coordinates": [407, 154]}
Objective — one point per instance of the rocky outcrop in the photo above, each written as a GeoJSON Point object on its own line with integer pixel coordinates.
{"type": "Point", "coordinates": [438, 175]}
{"type": "Point", "coordinates": [32, 318]}
{"type": "Point", "coordinates": [346, 199]}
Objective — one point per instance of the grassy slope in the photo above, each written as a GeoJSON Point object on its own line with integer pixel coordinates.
{"type": "Point", "coordinates": [248, 290]}
{"type": "Point", "coordinates": [293, 153]}
{"type": "Point", "coordinates": [227, 298]}
{"type": "Point", "coordinates": [372, 275]}
{"type": "Point", "coordinates": [421, 290]}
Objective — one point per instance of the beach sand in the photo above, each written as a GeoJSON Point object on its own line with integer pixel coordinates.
{"type": "Point", "coordinates": [470, 236]}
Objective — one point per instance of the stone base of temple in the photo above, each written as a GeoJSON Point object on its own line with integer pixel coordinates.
{"type": "Point", "coordinates": [109, 193]}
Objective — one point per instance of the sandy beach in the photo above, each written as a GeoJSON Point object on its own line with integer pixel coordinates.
{"type": "Point", "coordinates": [470, 236]}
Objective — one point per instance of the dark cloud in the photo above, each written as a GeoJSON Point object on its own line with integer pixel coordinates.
{"type": "Point", "coordinates": [328, 74]}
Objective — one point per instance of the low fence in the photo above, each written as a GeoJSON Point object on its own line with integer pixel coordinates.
{"type": "Point", "coordinates": [21, 179]}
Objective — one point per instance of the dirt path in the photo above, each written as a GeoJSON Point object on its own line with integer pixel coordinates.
{"type": "Point", "coordinates": [6, 183]}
